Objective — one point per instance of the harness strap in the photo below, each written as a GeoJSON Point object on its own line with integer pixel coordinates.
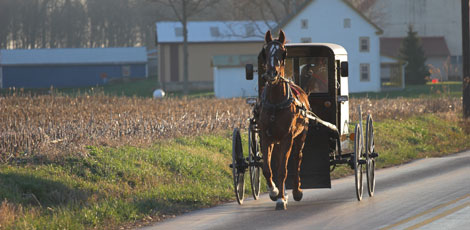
{"type": "Point", "coordinates": [279, 106]}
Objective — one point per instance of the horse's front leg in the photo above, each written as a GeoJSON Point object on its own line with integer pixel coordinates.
{"type": "Point", "coordinates": [297, 148]}
{"type": "Point", "coordinates": [285, 150]}
{"type": "Point", "coordinates": [267, 149]}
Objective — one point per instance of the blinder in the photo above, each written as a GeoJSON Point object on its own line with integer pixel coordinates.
{"type": "Point", "coordinates": [271, 75]}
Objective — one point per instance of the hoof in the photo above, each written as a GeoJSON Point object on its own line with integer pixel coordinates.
{"type": "Point", "coordinates": [281, 204]}
{"type": "Point", "coordinates": [297, 195]}
{"type": "Point", "coordinates": [273, 193]}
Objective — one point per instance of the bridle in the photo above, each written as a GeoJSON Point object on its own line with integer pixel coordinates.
{"type": "Point", "coordinates": [275, 54]}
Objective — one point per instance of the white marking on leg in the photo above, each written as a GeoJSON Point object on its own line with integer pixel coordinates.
{"type": "Point", "coordinates": [273, 192]}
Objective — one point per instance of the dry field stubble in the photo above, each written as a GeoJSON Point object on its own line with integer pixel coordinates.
{"type": "Point", "coordinates": [56, 125]}
{"type": "Point", "coordinates": [401, 108]}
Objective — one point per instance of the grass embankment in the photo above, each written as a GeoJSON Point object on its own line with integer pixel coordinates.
{"type": "Point", "coordinates": [113, 187]}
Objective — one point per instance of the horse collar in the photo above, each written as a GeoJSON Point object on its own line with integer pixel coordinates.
{"type": "Point", "coordinates": [278, 106]}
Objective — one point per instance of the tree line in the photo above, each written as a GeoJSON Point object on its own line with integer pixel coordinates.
{"type": "Point", "coordinates": [29, 24]}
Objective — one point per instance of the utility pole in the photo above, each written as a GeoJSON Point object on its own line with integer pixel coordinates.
{"type": "Point", "coordinates": [466, 58]}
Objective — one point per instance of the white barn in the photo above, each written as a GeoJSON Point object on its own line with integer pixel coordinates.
{"type": "Point", "coordinates": [337, 21]}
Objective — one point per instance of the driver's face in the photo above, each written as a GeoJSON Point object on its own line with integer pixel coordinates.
{"type": "Point", "coordinates": [309, 72]}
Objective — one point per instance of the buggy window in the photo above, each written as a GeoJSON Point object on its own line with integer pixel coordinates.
{"type": "Point", "coordinates": [314, 74]}
{"type": "Point", "coordinates": [289, 70]}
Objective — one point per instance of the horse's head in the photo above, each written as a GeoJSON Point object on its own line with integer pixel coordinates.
{"type": "Point", "coordinates": [274, 55]}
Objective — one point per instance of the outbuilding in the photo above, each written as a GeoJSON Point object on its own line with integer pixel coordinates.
{"type": "Point", "coordinates": [43, 68]}
{"type": "Point", "coordinates": [230, 78]}
{"type": "Point", "coordinates": [217, 52]}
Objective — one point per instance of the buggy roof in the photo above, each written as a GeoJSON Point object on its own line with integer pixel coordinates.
{"type": "Point", "coordinates": [337, 49]}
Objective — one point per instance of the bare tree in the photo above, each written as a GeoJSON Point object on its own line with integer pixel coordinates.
{"type": "Point", "coordinates": [272, 12]}
{"type": "Point", "coordinates": [184, 10]}
{"type": "Point", "coordinates": [370, 8]}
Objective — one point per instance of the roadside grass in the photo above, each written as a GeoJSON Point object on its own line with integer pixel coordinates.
{"type": "Point", "coordinates": [115, 186]}
{"type": "Point", "coordinates": [128, 186]}
{"type": "Point", "coordinates": [432, 90]}
{"type": "Point", "coordinates": [399, 141]}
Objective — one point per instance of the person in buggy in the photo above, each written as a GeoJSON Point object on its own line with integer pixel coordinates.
{"type": "Point", "coordinates": [314, 77]}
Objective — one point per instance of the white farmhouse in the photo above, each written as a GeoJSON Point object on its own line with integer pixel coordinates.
{"type": "Point", "coordinates": [337, 21]}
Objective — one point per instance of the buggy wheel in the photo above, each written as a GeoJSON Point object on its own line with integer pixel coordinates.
{"type": "Point", "coordinates": [254, 158]}
{"type": "Point", "coordinates": [238, 166]}
{"type": "Point", "coordinates": [370, 147]}
{"type": "Point", "coordinates": [357, 161]}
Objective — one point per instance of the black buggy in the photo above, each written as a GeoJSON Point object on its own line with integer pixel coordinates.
{"type": "Point", "coordinates": [329, 141]}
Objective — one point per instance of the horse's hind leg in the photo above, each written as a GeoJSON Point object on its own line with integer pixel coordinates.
{"type": "Point", "coordinates": [267, 150]}
{"type": "Point", "coordinates": [297, 154]}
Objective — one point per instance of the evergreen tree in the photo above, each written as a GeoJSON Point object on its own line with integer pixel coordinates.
{"type": "Point", "coordinates": [412, 52]}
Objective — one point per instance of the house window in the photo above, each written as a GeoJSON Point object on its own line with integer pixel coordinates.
{"type": "Point", "coordinates": [304, 24]}
{"type": "Point", "coordinates": [456, 60]}
{"type": "Point", "coordinates": [364, 44]}
{"type": "Point", "coordinates": [306, 40]}
{"type": "Point", "coordinates": [365, 72]}
{"type": "Point", "coordinates": [215, 32]}
{"type": "Point", "coordinates": [250, 30]}
{"type": "Point", "coordinates": [179, 32]}
{"type": "Point", "coordinates": [347, 23]}
{"type": "Point", "coordinates": [126, 71]}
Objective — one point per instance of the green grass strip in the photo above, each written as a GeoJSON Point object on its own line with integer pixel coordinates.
{"type": "Point", "coordinates": [115, 187]}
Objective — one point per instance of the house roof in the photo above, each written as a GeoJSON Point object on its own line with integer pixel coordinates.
{"type": "Point", "coordinates": [366, 5]}
{"type": "Point", "coordinates": [213, 31]}
{"type": "Point", "coordinates": [289, 18]}
{"type": "Point", "coordinates": [432, 46]}
{"type": "Point", "coordinates": [73, 56]}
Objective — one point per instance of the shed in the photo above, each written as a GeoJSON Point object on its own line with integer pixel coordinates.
{"type": "Point", "coordinates": [229, 76]}
{"type": "Point", "coordinates": [43, 68]}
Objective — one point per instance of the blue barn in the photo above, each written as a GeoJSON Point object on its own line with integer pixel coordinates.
{"type": "Point", "coordinates": [43, 68]}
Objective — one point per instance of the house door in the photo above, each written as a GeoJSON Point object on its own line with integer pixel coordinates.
{"type": "Point", "coordinates": [174, 63]}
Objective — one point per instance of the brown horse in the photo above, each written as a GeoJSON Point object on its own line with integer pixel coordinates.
{"type": "Point", "coordinates": [282, 122]}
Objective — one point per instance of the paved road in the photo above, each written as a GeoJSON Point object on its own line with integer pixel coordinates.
{"type": "Point", "coordinates": [431, 193]}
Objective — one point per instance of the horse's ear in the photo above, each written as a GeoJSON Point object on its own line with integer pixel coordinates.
{"type": "Point", "coordinates": [282, 37]}
{"type": "Point", "coordinates": [268, 37]}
